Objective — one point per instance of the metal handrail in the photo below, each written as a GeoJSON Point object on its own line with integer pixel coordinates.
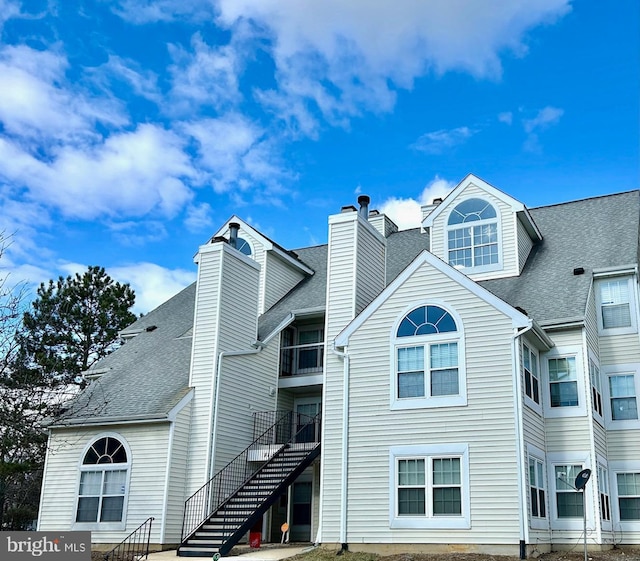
{"type": "Point", "coordinates": [135, 546]}
{"type": "Point", "coordinates": [213, 494]}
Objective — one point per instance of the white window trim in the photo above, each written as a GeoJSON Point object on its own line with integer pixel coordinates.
{"type": "Point", "coordinates": [499, 266]}
{"type": "Point", "coordinates": [427, 402]}
{"type": "Point", "coordinates": [593, 358]}
{"type": "Point", "coordinates": [537, 407]}
{"type": "Point", "coordinates": [633, 307]}
{"type": "Point", "coordinates": [614, 469]}
{"type": "Point", "coordinates": [103, 526]}
{"type": "Point", "coordinates": [430, 451]}
{"type": "Point", "coordinates": [536, 523]}
{"type": "Point", "coordinates": [565, 352]}
{"type": "Point", "coordinates": [574, 458]}
{"type": "Point", "coordinates": [602, 464]}
{"type": "Point", "coordinates": [616, 370]}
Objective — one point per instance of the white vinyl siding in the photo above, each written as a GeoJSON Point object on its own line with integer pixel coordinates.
{"type": "Point", "coordinates": [177, 477]}
{"type": "Point", "coordinates": [524, 244]}
{"type": "Point", "coordinates": [370, 274]}
{"type": "Point", "coordinates": [486, 423]}
{"type": "Point", "coordinates": [227, 311]}
{"type": "Point", "coordinates": [279, 278]}
{"type": "Point", "coordinates": [148, 463]}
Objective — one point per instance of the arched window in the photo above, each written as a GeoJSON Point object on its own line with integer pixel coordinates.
{"type": "Point", "coordinates": [428, 360]}
{"type": "Point", "coordinates": [103, 482]}
{"type": "Point", "coordinates": [243, 246]}
{"type": "Point", "coordinates": [473, 235]}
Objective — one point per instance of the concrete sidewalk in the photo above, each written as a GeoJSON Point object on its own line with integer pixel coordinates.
{"type": "Point", "coordinates": [261, 554]}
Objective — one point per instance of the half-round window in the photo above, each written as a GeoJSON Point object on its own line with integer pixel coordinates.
{"type": "Point", "coordinates": [472, 210]}
{"type": "Point", "coordinates": [243, 246]}
{"type": "Point", "coordinates": [426, 320]}
{"type": "Point", "coordinates": [106, 451]}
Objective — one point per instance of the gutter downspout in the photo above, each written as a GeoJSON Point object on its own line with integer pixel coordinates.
{"type": "Point", "coordinates": [515, 350]}
{"type": "Point", "coordinates": [345, 447]}
{"type": "Point", "coordinates": [259, 346]}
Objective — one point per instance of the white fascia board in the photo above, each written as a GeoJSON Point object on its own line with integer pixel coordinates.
{"type": "Point", "coordinates": [515, 205]}
{"type": "Point", "coordinates": [518, 318]}
{"type": "Point", "coordinates": [266, 243]}
{"type": "Point", "coordinates": [180, 405]}
{"type": "Point", "coordinates": [529, 225]}
{"type": "Point", "coordinates": [290, 318]}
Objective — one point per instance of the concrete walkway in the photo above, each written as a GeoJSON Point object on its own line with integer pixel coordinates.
{"type": "Point", "coordinates": [269, 553]}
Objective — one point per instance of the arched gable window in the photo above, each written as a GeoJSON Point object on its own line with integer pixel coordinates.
{"type": "Point", "coordinates": [103, 482]}
{"type": "Point", "coordinates": [428, 360]}
{"type": "Point", "coordinates": [473, 235]}
{"type": "Point", "coordinates": [243, 246]}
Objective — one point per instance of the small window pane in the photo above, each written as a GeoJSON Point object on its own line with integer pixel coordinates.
{"type": "Point", "coordinates": [90, 482]}
{"type": "Point", "coordinates": [410, 384]}
{"type": "Point", "coordinates": [564, 394]}
{"type": "Point", "coordinates": [114, 482]}
{"type": "Point", "coordinates": [410, 359]}
{"type": "Point", "coordinates": [570, 505]}
{"type": "Point", "coordinates": [87, 509]}
{"type": "Point", "coordinates": [444, 355]}
{"type": "Point", "coordinates": [629, 509]}
{"type": "Point", "coordinates": [444, 382]}
{"type": "Point", "coordinates": [411, 472]}
{"type": "Point", "coordinates": [446, 471]}
{"type": "Point", "coordinates": [111, 509]}
{"type": "Point", "coordinates": [411, 501]}
{"type": "Point", "coordinates": [447, 501]}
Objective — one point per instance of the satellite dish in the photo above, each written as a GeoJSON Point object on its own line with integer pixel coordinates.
{"type": "Point", "coordinates": [581, 479]}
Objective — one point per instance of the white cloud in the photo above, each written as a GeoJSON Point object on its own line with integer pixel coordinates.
{"type": "Point", "coordinates": [129, 174]}
{"type": "Point", "coordinates": [199, 217]}
{"type": "Point", "coordinates": [143, 83]}
{"type": "Point", "coordinates": [546, 117]}
{"type": "Point", "coordinates": [361, 49]}
{"type": "Point", "coordinates": [506, 117]}
{"type": "Point", "coordinates": [8, 10]}
{"type": "Point", "coordinates": [152, 283]}
{"type": "Point", "coordinates": [440, 141]}
{"type": "Point", "coordinates": [206, 76]}
{"type": "Point", "coordinates": [145, 11]}
{"type": "Point", "coordinates": [237, 154]}
{"type": "Point", "coordinates": [406, 213]}
{"type": "Point", "coordinates": [37, 103]}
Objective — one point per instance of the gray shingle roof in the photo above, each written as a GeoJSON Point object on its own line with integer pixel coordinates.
{"type": "Point", "coordinates": [149, 375]}
{"type": "Point", "coordinates": [591, 233]}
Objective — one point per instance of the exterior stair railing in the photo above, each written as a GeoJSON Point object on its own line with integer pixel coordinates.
{"type": "Point", "coordinates": [215, 492]}
{"type": "Point", "coordinates": [135, 546]}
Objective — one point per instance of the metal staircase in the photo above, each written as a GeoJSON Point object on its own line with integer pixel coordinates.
{"type": "Point", "coordinates": [229, 515]}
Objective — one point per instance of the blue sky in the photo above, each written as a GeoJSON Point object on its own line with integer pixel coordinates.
{"type": "Point", "coordinates": [131, 130]}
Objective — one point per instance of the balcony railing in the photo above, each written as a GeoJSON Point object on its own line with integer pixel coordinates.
{"type": "Point", "coordinates": [301, 359]}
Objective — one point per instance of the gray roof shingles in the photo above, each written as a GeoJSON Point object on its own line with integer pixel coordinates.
{"type": "Point", "coordinates": [148, 375]}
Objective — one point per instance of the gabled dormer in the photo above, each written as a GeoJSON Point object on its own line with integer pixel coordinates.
{"type": "Point", "coordinates": [280, 269]}
{"type": "Point", "coordinates": [481, 231]}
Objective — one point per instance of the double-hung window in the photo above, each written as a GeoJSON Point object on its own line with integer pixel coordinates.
{"type": "Point", "coordinates": [473, 236]}
{"type": "Point", "coordinates": [596, 391]}
{"type": "Point", "coordinates": [563, 382]}
{"type": "Point", "coordinates": [428, 361]}
{"type": "Point", "coordinates": [103, 483]}
{"type": "Point", "coordinates": [628, 496]}
{"type": "Point", "coordinates": [565, 385]}
{"type": "Point", "coordinates": [531, 375]}
{"type": "Point", "coordinates": [429, 486]}
{"type": "Point", "coordinates": [616, 305]}
{"type": "Point", "coordinates": [603, 491]}
{"type": "Point", "coordinates": [569, 502]}
{"type": "Point", "coordinates": [622, 392]}
{"type": "Point", "coordinates": [537, 488]}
